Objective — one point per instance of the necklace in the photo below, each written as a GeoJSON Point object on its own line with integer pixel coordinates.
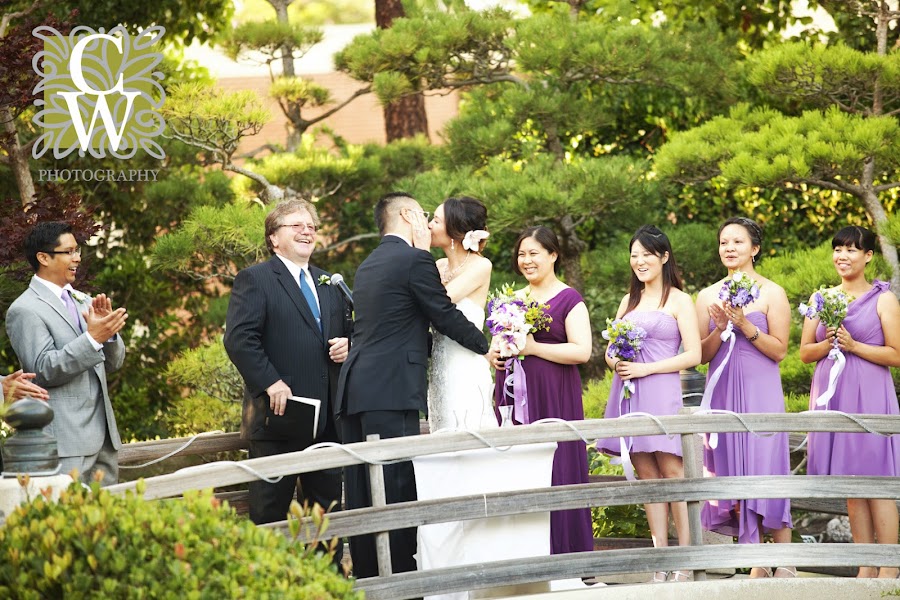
{"type": "Point", "coordinates": [446, 277]}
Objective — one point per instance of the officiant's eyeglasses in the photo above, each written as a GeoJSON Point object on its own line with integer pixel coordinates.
{"type": "Point", "coordinates": [300, 227]}
{"type": "Point", "coordinates": [70, 252]}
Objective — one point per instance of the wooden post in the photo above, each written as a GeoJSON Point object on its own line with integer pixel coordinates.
{"type": "Point", "coordinates": [382, 538]}
{"type": "Point", "coordinates": [691, 451]}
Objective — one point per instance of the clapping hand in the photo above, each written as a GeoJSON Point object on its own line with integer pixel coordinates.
{"type": "Point", "coordinates": [19, 385]}
{"type": "Point", "coordinates": [719, 317]}
{"type": "Point", "coordinates": [104, 323]}
{"type": "Point", "coordinates": [102, 305]}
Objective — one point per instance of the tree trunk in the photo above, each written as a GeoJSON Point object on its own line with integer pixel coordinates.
{"type": "Point", "coordinates": [287, 70]}
{"type": "Point", "coordinates": [870, 198]}
{"type": "Point", "coordinates": [405, 117]}
{"type": "Point", "coordinates": [879, 219]}
{"type": "Point", "coordinates": [18, 159]}
{"type": "Point", "coordinates": [571, 247]}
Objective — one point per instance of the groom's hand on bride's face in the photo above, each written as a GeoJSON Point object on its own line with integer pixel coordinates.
{"type": "Point", "coordinates": [421, 234]}
{"type": "Point", "coordinates": [278, 394]}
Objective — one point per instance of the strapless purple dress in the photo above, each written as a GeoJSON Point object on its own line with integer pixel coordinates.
{"type": "Point", "coordinates": [862, 388]}
{"type": "Point", "coordinates": [750, 383]}
{"type": "Point", "coordinates": [658, 394]}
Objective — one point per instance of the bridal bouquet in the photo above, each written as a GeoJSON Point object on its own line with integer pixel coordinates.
{"type": "Point", "coordinates": [830, 307]}
{"type": "Point", "coordinates": [510, 319]}
{"type": "Point", "coordinates": [625, 342]}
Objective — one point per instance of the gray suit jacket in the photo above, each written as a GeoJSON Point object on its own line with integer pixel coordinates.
{"type": "Point", "coordinates": [49, 344]}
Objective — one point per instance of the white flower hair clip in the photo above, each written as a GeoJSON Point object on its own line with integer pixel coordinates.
{"type": "Point", "coordinates": [473, 239]}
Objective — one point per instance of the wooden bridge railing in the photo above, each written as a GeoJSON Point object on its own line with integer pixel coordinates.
{"type": "Point", "coordinates": [694, 489]}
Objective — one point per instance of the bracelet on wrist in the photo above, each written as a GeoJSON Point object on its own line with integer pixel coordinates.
{"type": "Point", "coordinates": [755, 336]}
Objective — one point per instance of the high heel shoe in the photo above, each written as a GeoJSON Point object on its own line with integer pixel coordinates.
{"type": "Point", "coordinates": [660, 577]}
{"type": "Point", "coordinates": [681, 576]}
{"type": "Point", "coordinates": [766, 572]}
{"type": "Point", "coordinates": [785, 572]}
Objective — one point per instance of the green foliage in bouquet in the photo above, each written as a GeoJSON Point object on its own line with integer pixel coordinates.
{"type": "Point", "coordinates": [94, 544]}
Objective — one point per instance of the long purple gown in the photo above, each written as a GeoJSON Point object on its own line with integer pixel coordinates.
{"type": "Point", "coordinates": [554, 390]}
{"type": "Point", "coordinates": [658, 394]}
{"type": "Point", "coordinates": [862, 388]}
{"type": "Point", "coordinates": [750, 383]}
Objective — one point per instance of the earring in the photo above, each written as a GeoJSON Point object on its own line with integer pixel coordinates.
{"type": "Point", "coordinates": [753, 259]}
{"type": "Point", "coordinates": [452, 244]}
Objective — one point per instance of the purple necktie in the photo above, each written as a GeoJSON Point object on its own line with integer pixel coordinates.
{"type": "Point", "coordinates": [73, 310]}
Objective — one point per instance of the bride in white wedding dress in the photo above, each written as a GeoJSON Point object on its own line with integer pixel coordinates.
{"type": "Point", "coordinates": [460, 387]}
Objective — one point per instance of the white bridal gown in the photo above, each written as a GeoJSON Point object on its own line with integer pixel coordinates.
{"type": "Point", "coordinates": [459, 384]}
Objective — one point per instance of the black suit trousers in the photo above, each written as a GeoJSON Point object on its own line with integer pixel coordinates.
{"type": "Point", "coordinates": [399, 483]}
{"type": "Point", "coordinates": [270, 502]}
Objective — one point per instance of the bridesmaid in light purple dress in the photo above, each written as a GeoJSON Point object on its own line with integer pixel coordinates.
{"type": "Point", "coordinates": [750, 383]}
{"type": "Point", "coordinates": [656, 303]}
{"type": "Point", "coordinates": [551, 372]}
{"type": "Point", "coordinates": [869, 338]}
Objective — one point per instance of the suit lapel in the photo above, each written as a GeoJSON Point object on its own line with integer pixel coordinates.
{"type": "Point", "coordinates": [292, 289]}
{"type": "Point", "coordinates": [45, 295]}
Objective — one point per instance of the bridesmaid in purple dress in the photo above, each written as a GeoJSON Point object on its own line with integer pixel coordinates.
{"type": "Point", "coordinates": [551, 373]}
{"type": "Point", "coordinates": [750, 383]}
{"type": "Point", "coordinates": [656, 303]}
{"type": "Point", "coordinates": [869, 338]}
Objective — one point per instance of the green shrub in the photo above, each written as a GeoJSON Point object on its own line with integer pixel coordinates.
{"type": "Point", "coordinates": [594, 397]}
{"type": "Point", "coordinates": [627, 520]}
{"type": "Point", "coordinates": [93, 544]}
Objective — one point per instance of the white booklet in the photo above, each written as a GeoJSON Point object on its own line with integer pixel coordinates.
{"type": "Point", "coordinates": [316, 405]}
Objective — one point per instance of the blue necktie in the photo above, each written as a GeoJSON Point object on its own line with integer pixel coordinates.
{"type": "Point", "coordinates": [310, 299]}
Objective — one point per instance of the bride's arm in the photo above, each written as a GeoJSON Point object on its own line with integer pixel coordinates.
{"type": "Point", "coordinates": [471, 279]}
{"type": "Point", "coordinates": [576, 350]}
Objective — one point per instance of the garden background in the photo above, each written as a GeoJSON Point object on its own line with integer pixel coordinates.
{"type": "Point", "coordinates": [592, 117]}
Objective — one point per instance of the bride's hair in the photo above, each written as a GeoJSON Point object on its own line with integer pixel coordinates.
{"type": "Point", "coordinates": [463, 214]}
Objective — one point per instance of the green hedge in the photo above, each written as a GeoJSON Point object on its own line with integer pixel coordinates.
{"type": "Point", "coordinates": [93, 544]}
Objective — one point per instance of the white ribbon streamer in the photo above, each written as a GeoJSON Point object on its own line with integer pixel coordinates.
{"type": "Point", "coordinates": [625, 445]}
{"type": "Point", "coordinates": [836, 369]}
{"type": "Point", "coordinates": [727, 336]}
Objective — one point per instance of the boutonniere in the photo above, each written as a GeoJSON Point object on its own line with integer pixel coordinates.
{"type": "Point", "coordinates": [324, 280]}
{"type": "Point", "coordinates": [80, 298]}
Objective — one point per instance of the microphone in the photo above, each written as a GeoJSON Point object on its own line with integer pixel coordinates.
{"type": "Point", "coordinates": [338, 280]}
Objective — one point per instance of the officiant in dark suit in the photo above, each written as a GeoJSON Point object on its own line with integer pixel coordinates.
{"type": "Point", "coordinates": [382, 388]}
{"type": "Point", "coordinates": [287, 333]}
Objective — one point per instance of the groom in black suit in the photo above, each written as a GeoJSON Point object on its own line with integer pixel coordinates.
{"type": "Point", "coordinates": [287, 333]}
{"type": "Point", "coordinates": [382, 387]}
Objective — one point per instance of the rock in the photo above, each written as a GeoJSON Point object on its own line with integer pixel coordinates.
{"type": "Point", "coordinates": [838, 530]}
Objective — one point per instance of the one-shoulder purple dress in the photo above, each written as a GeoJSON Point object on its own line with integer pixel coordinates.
{"type": "Point", "coordinates": [658, 394]}
{"type": "Point", "coordinates": [554, 390]}
{"type": "Point", "coordinates": [750, 383]}
{"type": "Point", "coordinates": [862, 388]}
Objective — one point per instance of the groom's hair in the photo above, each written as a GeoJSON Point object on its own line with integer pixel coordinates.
{"type": "Point", "coordinates": [383, 208]}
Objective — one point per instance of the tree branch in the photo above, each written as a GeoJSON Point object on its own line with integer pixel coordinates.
{"type": "Point", "coordinates": [886, 186]}
{"type": "Point", "coordinates": [837, 186]}
{"type": "Point", "coordinates": [328, 113]}
{"type": "Point", "coordinates": [4, 23]}
{"type": "Point", "coordinates": [349, 240]}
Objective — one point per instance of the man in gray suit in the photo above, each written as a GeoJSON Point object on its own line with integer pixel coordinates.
{"type": "Point", "coordinates": [70, 341]}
